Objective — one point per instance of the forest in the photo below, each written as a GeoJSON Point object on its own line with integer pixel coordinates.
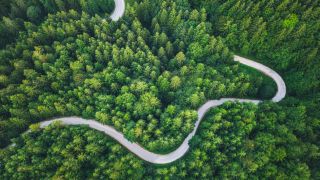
{"type": "Point", "coordinates": [146, 75]}
{"type": "Point", "coordinates": [15, 13]}
{"type": "Point", "coordinates": [283, 34]}
{"type": "Point", "coordinates": [234, 141]}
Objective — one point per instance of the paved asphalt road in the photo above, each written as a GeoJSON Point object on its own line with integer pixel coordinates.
{"type": "Point", "coordinates": [184, 147]}
{"type": "Point", "coordinates": [118, 11]}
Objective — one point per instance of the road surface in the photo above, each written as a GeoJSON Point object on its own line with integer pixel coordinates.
{"type": "Point", "coordinates": [118, 10]}
{"type": "Point", "coordinates": [184, 147]}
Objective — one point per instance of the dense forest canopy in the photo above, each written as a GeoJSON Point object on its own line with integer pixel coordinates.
{"type": "Point", "coordinates": [283, 34]}
{"type": "Point", "coordinates": [146, 75]}
{"type": "Point", "coordinates": [15, 13]}
{"type": "Point", "coordinates": [124, 76]}
{"type": "Point", "coordinates": [234, 141]}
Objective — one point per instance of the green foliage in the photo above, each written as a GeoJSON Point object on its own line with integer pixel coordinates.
{"type": "Point", "coordinates": [291, 21]}
{"type": "Point", "coordinates": [282, 34]}
{"type": "Point", "coordinates": [75, 152]}
{"type": "Point", "coordinates": [33, 13]}
{"type": "Point", "coordinates": [13, 12]}
{"type": "Point", "coordinates": [70, 65]}
{"type": "Point", "coordinates": [146, 76]}
{"type": "Point", "coordinates": [235, 140]}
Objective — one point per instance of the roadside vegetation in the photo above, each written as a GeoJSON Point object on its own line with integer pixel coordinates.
{"type": "Point", "coordinates": [147, 83]}
{"type": "Point", "coordinates": [146, 75]}
{"type": "Point", "coordinates": [235, 140]}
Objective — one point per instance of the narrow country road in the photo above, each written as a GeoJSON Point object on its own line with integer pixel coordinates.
{"type": "Point", "coordinates": [184, 147]}
{"type": "Point", "coordinates": [118, 11]}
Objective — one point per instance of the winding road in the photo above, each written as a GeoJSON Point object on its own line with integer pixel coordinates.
{"type": "Point", "coordinates": [184, 147]}
{"type": "Point", "coordinates": [118, 11]}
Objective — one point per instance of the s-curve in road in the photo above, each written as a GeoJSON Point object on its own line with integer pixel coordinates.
{"type": "Point", "coordinates": [118, 10]}
{"type": "Point", "coordinates": [184, 147]}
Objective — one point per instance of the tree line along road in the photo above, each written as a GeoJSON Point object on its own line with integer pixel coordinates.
{"type": "Point", "coordinates": [184, 147]}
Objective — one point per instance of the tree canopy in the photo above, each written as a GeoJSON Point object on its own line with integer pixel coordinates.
{"type": "Point", "coordinates": [146, 75]}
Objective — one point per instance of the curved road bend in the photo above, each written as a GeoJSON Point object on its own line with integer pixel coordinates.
{"type": "Point", "coordinates": [118, 10]}
{"type": "Point", "coordinates": [184, 147]}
